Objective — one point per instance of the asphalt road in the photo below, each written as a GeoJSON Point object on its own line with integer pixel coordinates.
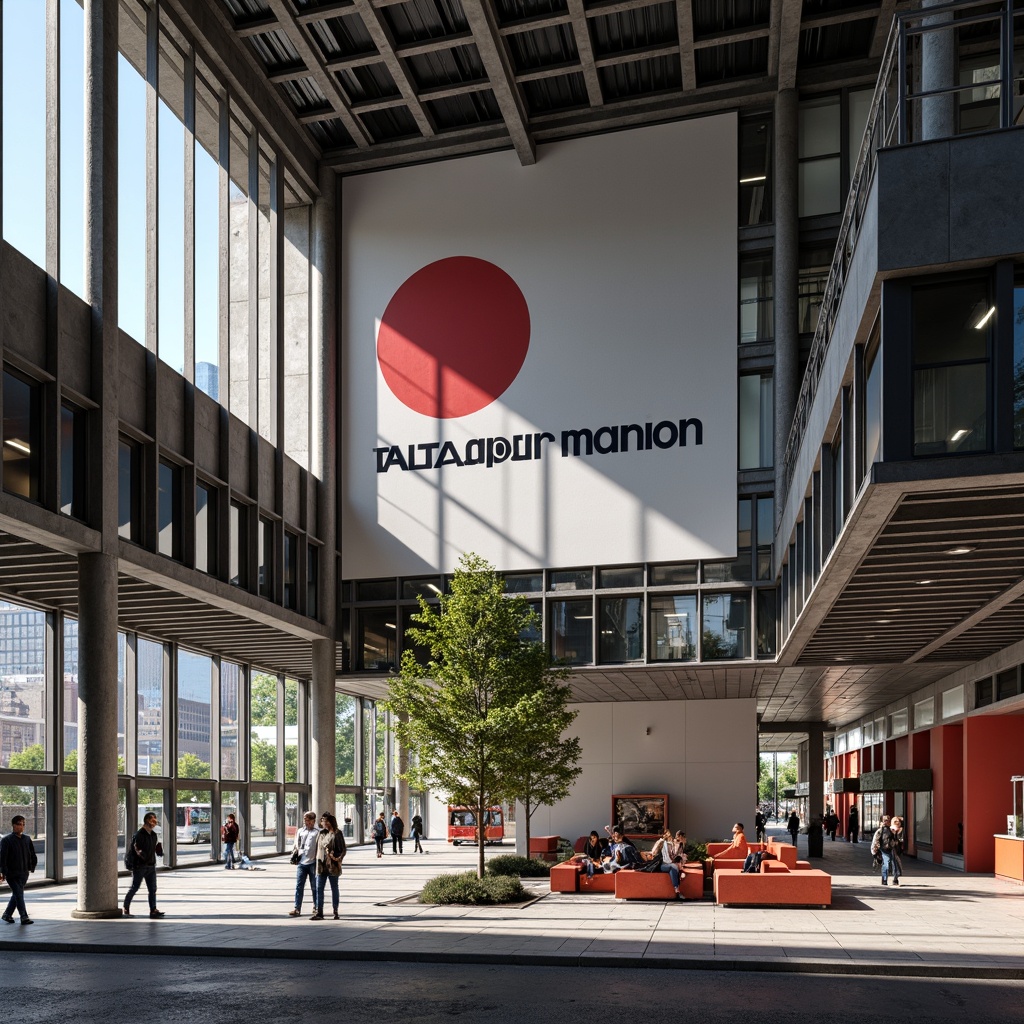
{"type": "Point", "coordinates": [78, 989]}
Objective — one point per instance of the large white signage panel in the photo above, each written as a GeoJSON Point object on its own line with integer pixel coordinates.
{"type": "Point", "coordinates": [539, 363]}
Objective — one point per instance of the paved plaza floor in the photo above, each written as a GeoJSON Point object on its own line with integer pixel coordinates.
{"type": "Point", "coordinates": [938, 922]}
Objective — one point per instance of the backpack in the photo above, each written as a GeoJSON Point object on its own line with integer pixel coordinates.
{"type": "Point", "coordinates": [379, 829]}
{"type": "Point", "coordinates": [885, 839]}
{"type": "Point", "coordinates": [131, 858]}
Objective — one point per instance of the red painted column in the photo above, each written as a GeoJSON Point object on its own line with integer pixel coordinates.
{"type": "Point", "coordinates": [947, 764]}
{"type": "Point", "coordinates": [993, 751]}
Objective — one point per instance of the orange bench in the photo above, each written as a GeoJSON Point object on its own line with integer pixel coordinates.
{"type": "Point", "coordinates": [715, 850]}
{"type": "Point", "coordinates": [657, 885]}
{"type": "Point", "coordinates": [774, 885]}
{"type": "Point", "coordinates": [570, 876]}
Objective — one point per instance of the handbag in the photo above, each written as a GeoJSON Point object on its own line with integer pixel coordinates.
{"type": "Point", "coordinates": [295, 857]}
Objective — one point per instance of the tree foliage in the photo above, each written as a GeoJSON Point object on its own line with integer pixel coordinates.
{"type": "Point", "coordinates": [469, 713]}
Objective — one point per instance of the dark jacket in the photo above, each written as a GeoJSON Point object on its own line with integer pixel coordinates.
{"type": "Point", "coordinates": [17, 856]}
{"type": "Point", "coordinates": [231, 832]}
{"type": "Point", "coordinates": [597, 850]}
{"type": "Point", "coordinates": [417, 826]}
{"type": "Point", "coordinates": [147, 847]}
{"type": "Point", "coordinates": [397, 827]}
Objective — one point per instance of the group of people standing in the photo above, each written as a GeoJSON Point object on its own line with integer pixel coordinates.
{"type": "Point", "coordinates": [317, 855]}
{"type": "Point", "coordinates": [380, 830]}
{"type": "Point", "coordinates": [887, 846]}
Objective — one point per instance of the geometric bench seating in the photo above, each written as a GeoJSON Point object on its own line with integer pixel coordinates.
{"type": "Point", "coordinates": [774, 885]}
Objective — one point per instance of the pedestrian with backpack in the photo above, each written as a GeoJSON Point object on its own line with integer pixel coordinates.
{"type": "Point", "coordinates": [883, 846]}
{"type": "Point", "coordinates": [379, 831]}
{"type": "Point", "coordinates": [140, 859]}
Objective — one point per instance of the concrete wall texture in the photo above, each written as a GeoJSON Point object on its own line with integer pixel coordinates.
{"type": "Point", "coordinates": [702, 753]}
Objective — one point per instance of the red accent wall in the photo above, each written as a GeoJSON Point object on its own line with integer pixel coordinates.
{"type": "Point", "coordinates": [947, 764]}
{"type": "Point", "coordinates": [993, 751]}
{"type": "Point", "coordinates": [920, 749]}
{"type": "Point", "coordinates": [902, 752]}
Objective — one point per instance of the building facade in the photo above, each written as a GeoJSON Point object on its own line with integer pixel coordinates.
{"type": "Point", "coordinates": [701, 323]}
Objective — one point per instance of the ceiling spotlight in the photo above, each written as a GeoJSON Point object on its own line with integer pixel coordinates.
{"type": "Point", "coordinates": [883, 622]}
{"type": "Point", "coordinates": [922, 583]}
{"type": "Point", "coordinates": [964, 549]}
{"type": "Point", "coordinates": [985, 319]}
{"type": "Point", "coordinates": [763, 177]}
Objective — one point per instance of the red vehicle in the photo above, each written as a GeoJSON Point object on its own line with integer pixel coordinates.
{"type": "Point", "coordinates": [462, 825]}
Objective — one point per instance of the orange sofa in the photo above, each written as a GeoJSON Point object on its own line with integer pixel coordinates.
{"type": "Point", "coordinates": [629, 885]}
{"type": "Point", "coordinates": [774, 885]}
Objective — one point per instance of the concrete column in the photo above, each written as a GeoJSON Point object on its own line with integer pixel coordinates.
{"type": "Point", "coordinates": [97, 737]}
{"type": "Point", "coordinates": [938, 67]}
{"type": "Point", "coordinates": [787, 273]}
{"type": "Point", "coordinates": [815, 788]}
{"type": "Point", "coordinates": [323, 463]}
{"type": "Point", "coordinates": [322, 727]}
{"type": "Point", "coordinates": [97, 580]}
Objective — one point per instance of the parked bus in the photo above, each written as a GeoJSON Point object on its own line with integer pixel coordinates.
{"type": "Point", "coordinates": [462, 825]}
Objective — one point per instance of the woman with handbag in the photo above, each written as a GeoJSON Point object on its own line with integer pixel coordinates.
{"type": "Point", "coordinates": [330, 852]}
{"type": "Point", "coordinates": [666, 852]}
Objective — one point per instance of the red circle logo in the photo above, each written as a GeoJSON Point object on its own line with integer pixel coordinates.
{"type": "Point", "coordinates": [453, 337]}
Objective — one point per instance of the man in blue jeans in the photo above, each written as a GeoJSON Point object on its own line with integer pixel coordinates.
{"type": "Point", "coordinates": [305, 868]}
{"type": "Point", "coordinates": [17, 861]}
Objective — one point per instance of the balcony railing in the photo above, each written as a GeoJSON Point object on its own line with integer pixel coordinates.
{"type": "Point", "coordinates": [907, 107]}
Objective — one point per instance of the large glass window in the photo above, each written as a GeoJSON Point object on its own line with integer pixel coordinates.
{"type": "Point", "coordinates": [195, 749]}
{"type": "Point", "coordinates": [263, 737]}
{"type": "Point", "coordinates": [266, 559]}
{"type": "Point", "coordinates": [572, 631]}
{"type": "Point", "coordinates": [420, 651]}
{"type": "Point", "coordinates": [858, 104]}
{"type": "Point", "coordinates": [170, 217]}
{"type": "Point", "coordinates": [872, 404]}
{"type": "Point", "coordinates": [169, 509]}
{"type": "Point", "coordinates": [767, 623]}
{"type": "Point", "coordinates": [819, 156]}
{"type": "Point", "coordinates": [344, 739]}
{"type": "Point", "coordinates": [631, 576]}
{"type": "Point", "coordinates": [72, 461]}
{"type": "Point", "coordinates": [291, 569]}
{"type": "Point", "coordinates": [131, 198]}
{"type": "Point", "coordinates": [72, 147]}
{"type": "Point", "coordinates": [952, 323]}
{"type": "Point", "coordinates": [377, 641]}
{"type": "Point", "coordinates": [765, 536]}
{"type": "Point", "coordinates": [150, 707]}
{"type": "Point", "coordinates": [262, 822]}
{"type": "Point", "coordinates": [21, 437]}
{"type": "Point", "coordinates": [238, 545]}
{"type": "Point", "coordinates": [291, 731]}
{"type": "Point", "coordinates": [757, 427]}
{"type": "Point", "coordinates": [673, 575]}
{"type": "Point", "coordinates": [755, 152]}
{"type": "Point", "coordinates": [571, 579]}
{"type": "Point", "coordinates": [207, 245]}
{"type": "Point", "coordinates": [128, 522]}
{"type": "Point", "coordinates": [232, 679]}
{"type": "Point", "coordinates": [23, 689]}
{"type": "Point", "coordinates": [673, 628]}
{"type": "Point", "coordinates": [726, 627]}
{"type": "Point", "coordinates": [24, 128]}
{"type": "Point", "coordinates": [312, 580]}
{"type": "Point", "coordinates": [70, 687]}
{"type": "Point", "coordinates": [757, 299]}
{"type": "Point", "coordinates": [923, 817]}
{"type": "Point", "coordinates": [206, 528]}
{"type": "Point", "coordinates": [622, 629]}
{"type": "Point", "coordinates": [815, 265]}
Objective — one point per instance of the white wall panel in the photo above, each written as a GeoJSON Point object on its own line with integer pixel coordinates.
{"type": "Point", "coordinates": [623, 247]}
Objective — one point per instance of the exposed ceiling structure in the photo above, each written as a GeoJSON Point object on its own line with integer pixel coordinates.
{"type": "Point", "coordinates": [380, 83]}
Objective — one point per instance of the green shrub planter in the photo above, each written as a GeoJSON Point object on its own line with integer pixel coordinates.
{"type": "Point", "coordinates": [468, 890]}
{"type": "Point", "coordinates": [518, 867]}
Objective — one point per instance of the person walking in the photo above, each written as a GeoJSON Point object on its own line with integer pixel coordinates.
{"type": "Point", "coordinates": [229, 837]}
{"type": "Point", "coordinates": [899, 847]}
{"type": "Point", "coordinates": [831, 822]}
{"type": "Point", "coordinates": [397, 830]}
{"type": "Point", "coordinates": [330, 852]}
{"type": "Point", "coordinates": [141, 855]}
{"type": "Point", "coordinates": [304, 859]}
{"type": "Point", "coordinates": [883, 845]}
{"type": "Point", "coordinates": [417, 833]}
{"type": "Point", "coordinates": [793, 826]}
{"type": "Point", "coordinates": [853, 825]}
{"type": "Point", "coordinates": [380, 833]}
{"type": "Point", "coordinates": [17, 861]}
{"type": "Point", "coordinates": [760, 826]}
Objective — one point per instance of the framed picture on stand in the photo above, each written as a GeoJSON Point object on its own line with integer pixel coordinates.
{"type": "Point", "coordinates": [640, 815]}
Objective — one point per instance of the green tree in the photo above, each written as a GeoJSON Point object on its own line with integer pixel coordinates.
{"type": "Point", "coordinates": [765, 781]}
{"type": "Point", "coordinates": [263, 701]}
{"type": "Point", "coordinates": [546, 763]}
{"type": "Point", "coordinates": [466, 708]}
{"type": "Point", "coordinates": [345, 739]}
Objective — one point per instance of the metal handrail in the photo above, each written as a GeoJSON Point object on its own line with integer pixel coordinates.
{"type": "Point", "coordinates": [886, 126]}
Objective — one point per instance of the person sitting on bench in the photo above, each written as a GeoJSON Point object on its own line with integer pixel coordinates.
{"type": "Point", "coordinates": [738, 849]}
{"type": "Point", "coordinates": [622, 854]}
{"type": "Point", "coordinates": [594, 852]}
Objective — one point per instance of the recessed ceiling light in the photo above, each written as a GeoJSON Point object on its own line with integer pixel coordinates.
{"type": "Point", "coordinates": [883, 622]}
{"type": "Point", "coordinates": [964, 549]}
{"type": "Point", "coordinates": [922, 583]}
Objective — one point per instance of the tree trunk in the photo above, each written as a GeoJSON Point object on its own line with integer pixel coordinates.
{"type": "Point", "coordinates": [526, 815]}
{"type": "Point", "coordinates": [481, 839]}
